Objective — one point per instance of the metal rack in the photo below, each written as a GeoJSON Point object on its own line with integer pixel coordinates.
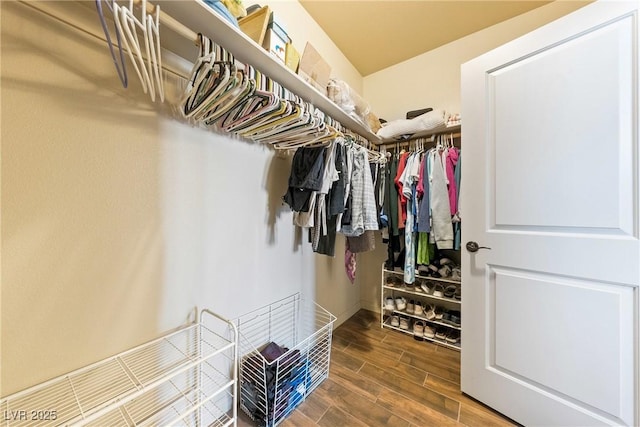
{"type": "Point", "coordinates": [186, 377]}
{"type": "Point", "coordinates": [270, 390]}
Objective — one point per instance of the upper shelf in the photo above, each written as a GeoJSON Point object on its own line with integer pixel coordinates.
{"type": "Point", "coordinates": [424, 134]}
{"type": "Point", "coordinates": [201, 18]}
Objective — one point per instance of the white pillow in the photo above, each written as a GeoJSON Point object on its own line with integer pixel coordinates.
{"type": "Point", "coordinates": [427, 121]}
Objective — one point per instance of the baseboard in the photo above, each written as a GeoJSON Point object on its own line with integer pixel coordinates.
{"type": "Point", "coordinates": [344, 316]}
{"type": "Point", "coordinates": [371, 306]}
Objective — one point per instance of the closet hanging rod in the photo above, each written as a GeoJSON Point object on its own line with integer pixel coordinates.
{"type": "Point", "coordinates": [407, 142]}
{"type": "Point", "coordinates": [46, 10]}
{"type": "Point", "coordinates": [170, 22]}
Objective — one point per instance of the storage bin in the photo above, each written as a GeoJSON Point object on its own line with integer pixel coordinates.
{"type": "Point", "coordinates": [285, 351]}
{"type": "Point", "coordinates": [186, 377]}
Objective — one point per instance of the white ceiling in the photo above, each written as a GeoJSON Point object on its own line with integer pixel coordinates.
{"type": "Point", "coordinates": [375, 34]}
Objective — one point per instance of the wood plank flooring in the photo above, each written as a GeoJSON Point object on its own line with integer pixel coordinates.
{"type": "Point", "coordinates": [381, 377]}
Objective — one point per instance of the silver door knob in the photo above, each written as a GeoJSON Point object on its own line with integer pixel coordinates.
{"type": "Point", "coordinates": [473, 247]}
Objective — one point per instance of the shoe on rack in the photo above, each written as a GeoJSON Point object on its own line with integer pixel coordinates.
{"type": "Point", "coordinates": [450, 291]}
{"type": "Point", "coordinates": [429, 311]}
{"type": "Point", "coordinates": [418, 330]}
{"type": "Point", "coordinates": [456, 274]}
{"type": "Point", "coordinates": [411, 306]}
{"type": "Point", "coordinates": [401, 303]}
{"type": "Point", "coordinates": [388, 281]}
{"type": "Point", "coordinates": [445, 317]}
{"type": "Point", "coordinates": [423, 270]}
{"type": "Point", "coordinates": [426, 286]}
{"type": "Point", "coordinates": [429, 331]}
{"type": "Point", "coordinates": [404, 323]}
{"type": "Point", "coordinates": [458, 294]}
{"type": "Point", "coordinates": [453, 337]}
{"type": "Point", "coordinates": [441, 333]}
{"type": "Point", "coordinates": [395, 321]}
{"type": "Point", "coordinates": [388, 304]}
{"type": "Point", "coordinates": [455, 318]}
{"type": "Point", "coordinates": [445, 271]}
{"type": "Point", "coordinates": [418, 309]}
{"type": "Point", "coordinates": [438, 291]}
{"type": "Point", "coordinates": [417, 286]}
{"type": "Point", "coordinates": [439, 312]}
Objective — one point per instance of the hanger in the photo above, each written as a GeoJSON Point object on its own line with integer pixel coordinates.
{"type": "Point", "coordinates": [202, 66]}
{"type": "Point", "coordinates": [153, 41]}
{"type": "Point", "coordinates": [237, 96]}
{"type": "Point", "coordinates": [264, 104]}
{"type": "Point", "coordinates": [121, 68]}
{"type": "Point", "coordinates": [228, 94]}
{"type": "Point", "coordinates": [213, 83]}
{"type": "Point", "coordinates": [127, 24]}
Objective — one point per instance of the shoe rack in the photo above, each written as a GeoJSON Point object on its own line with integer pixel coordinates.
{"type": "Point", "coordinates": [403, 316]}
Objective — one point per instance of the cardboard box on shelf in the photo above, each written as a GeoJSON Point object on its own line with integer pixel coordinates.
{"type": "Point", "coordinates": [255, 24]}
{"type": "Point", "coordinates": [313, 69]}
{"type": "Point", "coordinates": [276, 39]}
{"type": "Point", "coordinates": [292, 58]}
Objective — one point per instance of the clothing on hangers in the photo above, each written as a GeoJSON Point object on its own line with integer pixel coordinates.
{"type": "Point", "coordinates": [440, 209]}
{"type": "Point", "coordinates": [430, 222]}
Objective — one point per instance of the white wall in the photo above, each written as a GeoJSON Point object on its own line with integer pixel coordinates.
{"type": "Point", "coordinates": [117, 218]}
{"type": "Point", "coordinates": [334, 291]}
{"type": "Point", "coordinates": [301, 28]}
{"type": "Point", "coordinates": [433, 78]}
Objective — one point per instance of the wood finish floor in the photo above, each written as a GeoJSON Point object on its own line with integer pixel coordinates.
{"type": "Point", "coordinates": [381, 377]}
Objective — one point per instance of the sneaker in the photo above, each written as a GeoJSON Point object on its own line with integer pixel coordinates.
{"type": "Point", "coordinates": [439, 312]}
{"type": "Point", "coordinates": [404, 323]}
{"type": "Point", "coordinates": [445, 317]}
{"type": "Point", "coordinates": [438, 291]}
{"type": "Point", "coordinates": [429, 311]}
{"type": "Point", "coordinates": [418, 286]}
{"type": "Point", "coordinates": [423, 270]}
{"type": "Point", "coordinates": [445, 271]}
{"type": "Point", "coordinates": [454, 318]}
{"type": "Point", "coordinates": [441, 333]}
{"type": "Point", "coordinates": [401, 303]}
{"type": "Point", "coordinates": [418, 309]}
{"type": "Point", "coordinates": [429, 332]}
{"type": "Point", "coordinates": [395, 321]}
{"type": "Point", "coordinates": [450, 291]}
{"type": "Point", "coordinates": [456, 274]}
{"type": "Point", "coordinates": [388, 304]}
{"type": "Point", "coordinates": [426, 287]}
{"type": "Point", "coordinates": [458, 294]}
{"type": "Point", "coordinates": [411, 306]}
{"type": "Point", "coordinates": [389, 281]}
{"type": "Point", "coordinates": [453, 337]}
{"type": "Point", "coordinates": [418, 330]}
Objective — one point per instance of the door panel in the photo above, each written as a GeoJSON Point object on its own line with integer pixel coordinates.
{"type": "Point", "coordinates": [594, 189]}
{"type": "Point", "coordinates": [545, 325]}
{"type": "Point", "coordinates": [551, 322]}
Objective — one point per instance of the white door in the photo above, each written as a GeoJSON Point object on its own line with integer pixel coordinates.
{"type": "Point", "coordinates": [550, 183]}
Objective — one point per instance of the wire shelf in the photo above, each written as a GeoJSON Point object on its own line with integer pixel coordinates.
{"type": "Point", "coordinates": [186, 377]}
{"type": "Point", "coordinates": [270, 390]}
